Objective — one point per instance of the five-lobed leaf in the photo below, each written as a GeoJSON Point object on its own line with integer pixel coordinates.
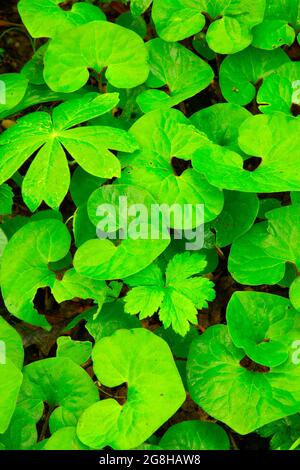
{"type": "Point", "coordinates": [177, 297]}
{"type": "Point", "coordinates": [51, 136]}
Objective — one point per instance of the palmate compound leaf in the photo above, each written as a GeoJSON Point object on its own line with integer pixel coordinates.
{"type": "Point", "coordinates": [243, 399]}
{"type": "Point", "coordinates": [281, 20]}
{"type": "Point", "coordinates": [129, 238]}
{"type": "Point", "coordinates": [231, 21]}
{"type": "Point", "coordinates": [195, 435]}
{"type": "Point", "coordinates": [162, 136]}
{"type": "Point", "coordinates": [12, 89]}
{"type": "Point", "coordinates": [241, 73]}
{"type": "Point", "coordinates": [274, 139]}
{"type": "Point", "coordinates": [45, 18]}
{"type": "Point", "coordinates": [172, 65]}
{"type": "Point", "coordinates": [11, 361]}
{"type": "Point", "coordinates": [176, 297]}
{"type": "Point", "coordinates": [155, 391]}
{"type": "Point", "coordinates": [24, 266]}
{"type": "Point", "coordinates": [280, 91]}
{"type": "Point", "coordinates": [61, 383]}
{"type": "Point", "coordinates": [48, 176]}
{"type": "Point", "coordinates": [96, 45]}
{"type": "Point", "coordinates": [264, 325]}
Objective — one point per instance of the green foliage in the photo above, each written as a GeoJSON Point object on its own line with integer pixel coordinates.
{"type": "Point", "coordinates": [155, 391]}
{"type": "Point", "coordinates": [38, 131]}
{"type": "Point", "coordinates": [45, 18]}
{"type": "Point", "coordinates": [177, 296]}
{"type": "Point", "coordinates": [281, 20]}
{"type": "Point", "coordinates": [248, 399]}
{"type": "Point", "coordinates": [177, 68]}
{"type": "Point", "coordinates": [264, 325]}
{"type": "Point", "coordinates": [150, 225]}
{"type": "Point", "coordinates": [195, 435]}
{"type": "Point", "coordinates": [240, 73]}
{"type": "Point", "coordinates": [120, 50]}
{"type": "Point", "coordinates": [231, 22]}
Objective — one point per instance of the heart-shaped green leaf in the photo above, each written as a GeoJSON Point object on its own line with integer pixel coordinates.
{"type": "Point", "coordinates": [155, 391]}
{"type": "Point", "coordinates": [163, 135]}
{"type": "Point", "coordinates": [45, 18]}
{"type": "Point", "coordinates": [13, 87]}
{"type": "Point", "coordinates": [120, 50]}
{"type": "Point", "coordinates": [274, 139]}
{"type": "Point", "coordinates": [59, 382]}
{"type": "Point", "coordinates": [230, 22]}
{"type": "Point", "coordinates": [243, 399]}
{"type": "Point", "coordinates": [181, 71]}
{"type": "Point", "coordinates": [281, 20]}
{"type": "Point", "coordinates": [264, 325]}
{"type": "Point", "coordinates": [241, 73]}
{"type": "Point", "coordinates": [281, 90]}
{"type": "Point", "coordinates": [37, 244]}
{"type": "Point", "coordinates": [135, 248]}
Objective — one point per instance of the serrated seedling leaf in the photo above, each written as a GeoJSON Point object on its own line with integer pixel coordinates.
{"type": "Point", "coordinates": [176, 296]}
